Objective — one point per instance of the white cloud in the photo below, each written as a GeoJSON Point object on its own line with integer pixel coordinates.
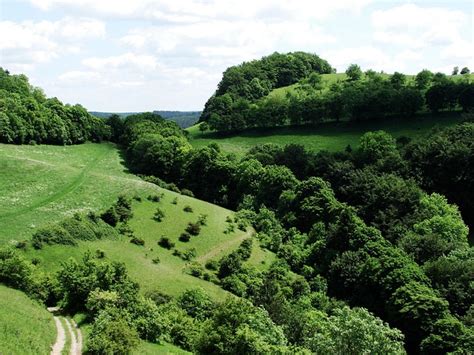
{"type": "Point", "coordinates": [25, 44]}
{"type": "Point", "coordinates": [413, 26]}
{"type": "Point", "coordinates": [78, 75]}
{"type": "Point", "coordinates": [127, 60]}
{"type": "Point", "coordinates": [193, 11]}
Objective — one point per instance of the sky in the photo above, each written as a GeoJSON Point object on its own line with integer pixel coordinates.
{"type": "Point", "coordinates": [143, 55]}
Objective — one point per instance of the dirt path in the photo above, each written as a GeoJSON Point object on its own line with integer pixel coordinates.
{"type": "Point", "coordinates": [72, 332]}
{"type": "Point", "coordinates": [225, 246]}
{"type": "Point", "coordinates": [60, 339]}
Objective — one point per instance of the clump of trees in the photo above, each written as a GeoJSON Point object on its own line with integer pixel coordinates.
{"type": "Point", "coordinates": [27, 116]}
{"type": "Point", "coordinates": [361, 96]}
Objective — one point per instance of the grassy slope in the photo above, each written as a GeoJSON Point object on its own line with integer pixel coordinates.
{"type": "Point", "coordinates": [45, 183]}
{"type": "Point", "coordinates": [26, 327]}
{"type": "Point", "coordinates": [329, 136]}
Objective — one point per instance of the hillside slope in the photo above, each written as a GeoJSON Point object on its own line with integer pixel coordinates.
{"type": "Point", "coordinates": [26, 327]}
{"type": "Point", "coordinates": [44, 184]}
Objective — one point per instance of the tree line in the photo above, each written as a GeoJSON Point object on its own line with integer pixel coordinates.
{"type": "Point", "coordinates": [369, 96]}
{"type": "Point", "coordinates": [27, 116]}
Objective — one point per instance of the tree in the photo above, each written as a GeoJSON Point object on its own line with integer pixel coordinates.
{"type": "Point", "coordinates": [398, 80]}
{"type": "Point", "coordinates": [353, 72]}
{"type": "Point", "coordinates": [465, 70]}
{"type": "Point", "coordinates": [455, 70]}
{"type": "Point", "coordinates": [355, 331]}
{"type": "Point", "coordinates": [423, 79]}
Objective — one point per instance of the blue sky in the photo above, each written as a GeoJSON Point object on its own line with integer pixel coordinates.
{"type": "Point", "coordinates": [124, 55]}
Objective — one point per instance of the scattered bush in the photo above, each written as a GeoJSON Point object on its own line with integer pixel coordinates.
{"type": "Point", "coordinates": [99, 254]}
{"type": "Point", "coordinates": [245, 249]}
{"type": "Point", "coordinates": [137, 198]}
{"type": "Point", "coordinates": [187, 192]}
{"type": "Point", "coordinates": [195, 269]}
{"type": "Point", "coordinates": [110, 217]}
{"type": "Point", "coordinates": [189, 254]}
{"type": "Point", "coordinates": [202, 219]}
{"type": "Point", "coordinates": [125, 229]}
{"type": "Point", "coordinates": [159, 215]}
{"type": "Point", "coordinates": [185, 237]}
{"type": "Point", "coordinates": [212, 265]}
{"type": "Point", "coordinates": [188, 209]}
{"type": "Point", "coordinates": [154, 198]}
{"type": "Point", "coordinates": [21, 245]}
{"type": "Point", "coordinates": [156, 260]}
{"type": "Point", "coordinates": [175, 201]}
{"type": "Point", "coordinates": [53, 234]}
{"type": "Point", "coordinates": [193, 228]}
{"type": "Point", "coordinates": [137, 241]}
{"type": "Point", "coordinates": [166, 243]}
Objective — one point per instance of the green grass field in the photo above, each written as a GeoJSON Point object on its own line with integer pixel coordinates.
{"type": "Point", "coordinates": [43, 184]}
{"type": "Point", "coordinates": [327, 136]}
{"type": "Point", "coordinates": [26, 327]}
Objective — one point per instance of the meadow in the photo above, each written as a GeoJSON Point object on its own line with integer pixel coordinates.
{"type": "Point", "coordinates": [329, 136]}
{"type": "Point", "coordinates": [43, 184]}
{"type": "Point", "coordinates": [26, 327]}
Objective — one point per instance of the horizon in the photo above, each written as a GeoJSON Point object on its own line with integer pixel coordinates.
{"type": "Point", "coordinates": [149, 55]}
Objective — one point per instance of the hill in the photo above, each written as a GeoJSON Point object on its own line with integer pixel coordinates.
{"type": "Point", "coordinates": [44, 184]}
{"type": "Point", "coordinates": [183, 118]}
{"type": "Point", "coordinates": [26, 327]}
{"type": "Point", "coordinates": [329, 136]}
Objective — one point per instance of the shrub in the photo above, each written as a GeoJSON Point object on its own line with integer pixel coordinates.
{"type": "Point", "coordinates": [176, 252]}
{"type": "Point", "coordinates": [110, 217]}
{"type": "Point", "coordinates": [100, 254]}
{"type": "Point", "coordinates": [195, 269]}
{"type": "Point", "coordinates": [125, 229]}
{"type": "Point", "coordinates": [123, 208]}
{"type": "Point", "coordinates": [187, 192]}
{"type": "Point", "coordinates": [156, 260]}
{"type": "Point", "coordinates": [193, 228]}
{"type": "Point", "coordinates": [111, 334]}
{"type": "Point", "coordinates": [245, 249]}
{"type": "Point", "coordinates": [52, 234]}
{"type": "Point", "coordinates": [21, 245]}
{"type": "Point", "coordinates": [166, 243]}
{"type": "Point", "coordinates": [196, 303]}
{"type": "Point", "coordinates": [154, 198]}
{"type": "Point", "coordinates": [184, 237]}
{"type": "Point", "coordinates": [159, 215]}
{"type": "Point", "coordinates": [137, 241]}
{"type": "Point", "coordinates": [36, 261]}
{"type": "Point", "coordinates": [188, 209]}
{"type": "Point", "coordinates": [158, 297]}
{"type": "Point", "coordinates": [202, 220]}
{"type": "Point", "coordinates": [189, 254]}
{"type": "Point", "coordinates": [137, 198]}
{"type": "Point", "coordinates": [212, 265]}
{"type": "Point", "coordinates": [175, 201]}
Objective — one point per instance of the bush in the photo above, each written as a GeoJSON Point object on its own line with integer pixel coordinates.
{"type": "Point", "coordinates": [137, 241]}
{"type": "Point", "coordinates": [159, 215]}
{"type": "Point", "coordinates": [125, 229]}
{"type": "Point", "coordinates": [184, 237]}
{"type": "Point", "coordinates": [123, 208]}
{"type": "Point", "coordinates": [195, 269]}
{"type": "Point", "coordinates": [21, 245]}
{"type": "Point", "coordinates": [110, 217]}
{"type": "Point", "coordinates": [188, 209]}
{"type": "Point", "coordinates": [187, 192]}
{"type": "Point", "coordinates": [193, 228]}
{"type": "Point", "coordinates": [245, 249]}
{"type": "Point", "coordinates": [111, 334]}
{"type": "Point", "coordinates": [100, 254]}
{"type": "Point", "coordinates": [189, 254]}
{"type": "Point", "coordinates": [52, 234]}
{"type": "Point", "coordinates": [154, 198]}
{"type": "Point", "coordinates": [166, 243]}
{"type": "Point", "coordinates": [175, 201]}
{"type": "Point", "coordinates": [137, 198]}
{"type": "Point", "coordinates": [202, 220]}
{"type": "Point", "coordinates": [156, 260]}
{"type": "Point", "coordinates": [212, 265]}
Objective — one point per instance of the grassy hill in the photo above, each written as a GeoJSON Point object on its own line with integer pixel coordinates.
{"type": "Point", "coordinates": [26, 327]}
{"type": "Point", "coordinates": [43, 184]}
{"type": "Point", "coordinates": [327, 136]}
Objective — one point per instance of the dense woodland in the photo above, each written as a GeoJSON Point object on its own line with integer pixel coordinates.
{"type": "Point", "coordinates": [242, 101]}
{"type": "Point", "coordinates": [27, 116]}
{"type": "Point", "coordinates": [371, 243]}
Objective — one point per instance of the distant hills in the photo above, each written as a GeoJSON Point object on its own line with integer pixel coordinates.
{"type": "Point", "coordinates": [183, 118]}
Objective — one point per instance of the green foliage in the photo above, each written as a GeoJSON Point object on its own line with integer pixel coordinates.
{"type": "Point", "coordinates": [193, 228]}
{"type": "Point", "coordinates": [196, 303]}
{"type": "Point", "coordinates": [111, 334]}
{"type": "Point", "coordinates": [354, 72]}
{"type": "Point", "coordinates": [27, 116]}
{"type": "Point", "coordinates": [159, 215]}
{"type": "Point", "coordinates": [237, 326]}
{"type": "Point", "coordinates": [166, 243]}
